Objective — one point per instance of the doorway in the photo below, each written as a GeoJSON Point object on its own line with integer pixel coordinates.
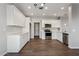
{"type": "Point", "coordinates": [30, 29]}
{"type": "Point", "coordinates": [36, 30]}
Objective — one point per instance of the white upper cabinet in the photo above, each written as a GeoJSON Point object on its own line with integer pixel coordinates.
{"type": "Point", "coordinates": [26, 27]}
{"type": "Point", "coordinates": [54, 23]}
{"type": "Point", "coordinates": [14, 16]}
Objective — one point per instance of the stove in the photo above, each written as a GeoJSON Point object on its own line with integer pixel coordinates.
{"type": "Point", "coordinates": [48, 34]}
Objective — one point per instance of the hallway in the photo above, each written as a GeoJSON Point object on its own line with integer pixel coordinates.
{"type": "Point", "coordinates": [39, 47]}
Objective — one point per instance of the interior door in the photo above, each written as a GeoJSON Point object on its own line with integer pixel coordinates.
{"type": "Point", "coordinates": [36, 30]}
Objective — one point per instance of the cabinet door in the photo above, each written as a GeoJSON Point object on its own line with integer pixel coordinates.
{"type": "Point", "coordinates": [14, 16]}
{"type": "Point", "coordinates": [19, 17]}
{"type": "Point", "coordinates": [65, 39]}
{"type": "Point", "coordinates": [10, 15]}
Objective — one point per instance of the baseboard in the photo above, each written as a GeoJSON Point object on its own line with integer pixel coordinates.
{"type": "Point", "coordinates": [73, 47]}
{"type": "Point", "coordinates": [24, 46]}
{"type": "Point", "coordinates": [42, 39]}
{"type": "Point", "coordinates": [4, 53]}
{"type": "Point", "coordinates": [31, 38]}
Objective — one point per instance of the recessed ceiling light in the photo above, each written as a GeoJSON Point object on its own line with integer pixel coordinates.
{"type": "Point", "coordinates": [29, 7]}
{"type": "Point", "coordinates": [64, 24]}
{"type": "Point", "coordinates": [62, 8]}
{"type": "Point", "coordinates": [42, 4]}
{"type": "Point", "coordinates": [31, 13]}
{"type": "Point", "coordinates": [46, 7]}
{"type": "Point", "coordinates": [43, 14]}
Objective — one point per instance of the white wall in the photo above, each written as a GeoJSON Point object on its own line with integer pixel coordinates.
{"type": "Point", "coordinates": [74, 28]}
{"type": "Point", "coordinates": [65, 24]}
{"type": "Point", "coordinates": [3, 40]}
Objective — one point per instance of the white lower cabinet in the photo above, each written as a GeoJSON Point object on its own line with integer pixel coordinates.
{"type": "Point", "coordinates": [57, 35]}
{"type": "Point", "coordinates": [15, 42]}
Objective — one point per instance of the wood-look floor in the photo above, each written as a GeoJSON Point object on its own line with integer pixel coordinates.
{"type": "Point", "coordinates": [39, 47]}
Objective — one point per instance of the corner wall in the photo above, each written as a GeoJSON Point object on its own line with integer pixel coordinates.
{"type": "Point", "coordinates": [3, 40]}
{"type": "Point", "coordinates": [74, 28]}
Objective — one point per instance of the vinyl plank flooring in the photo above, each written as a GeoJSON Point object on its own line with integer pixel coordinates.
{"type": "Point", "coordinates": [39, 47]}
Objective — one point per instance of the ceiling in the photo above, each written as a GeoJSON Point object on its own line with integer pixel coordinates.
{"type": "Point", "coordinates": [53, 9]}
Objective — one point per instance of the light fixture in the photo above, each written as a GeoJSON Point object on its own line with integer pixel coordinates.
{"type": "Point", "coordinates": [40, 6]}
{"type": "Point", "coordinates": [46, 7]}
{"type": "Point", "coordinates": [31, 13]}
{"type": "Point", "coordinates": [62, 8]}
{"type": "Point", "coordinates": [65, 27]}
{"type": "Point", "coordinates": [29, 7]}
{"type": "Point", "coordinates": [43, 14]}
{"type": "Point", "coordinates": [64, 24]}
